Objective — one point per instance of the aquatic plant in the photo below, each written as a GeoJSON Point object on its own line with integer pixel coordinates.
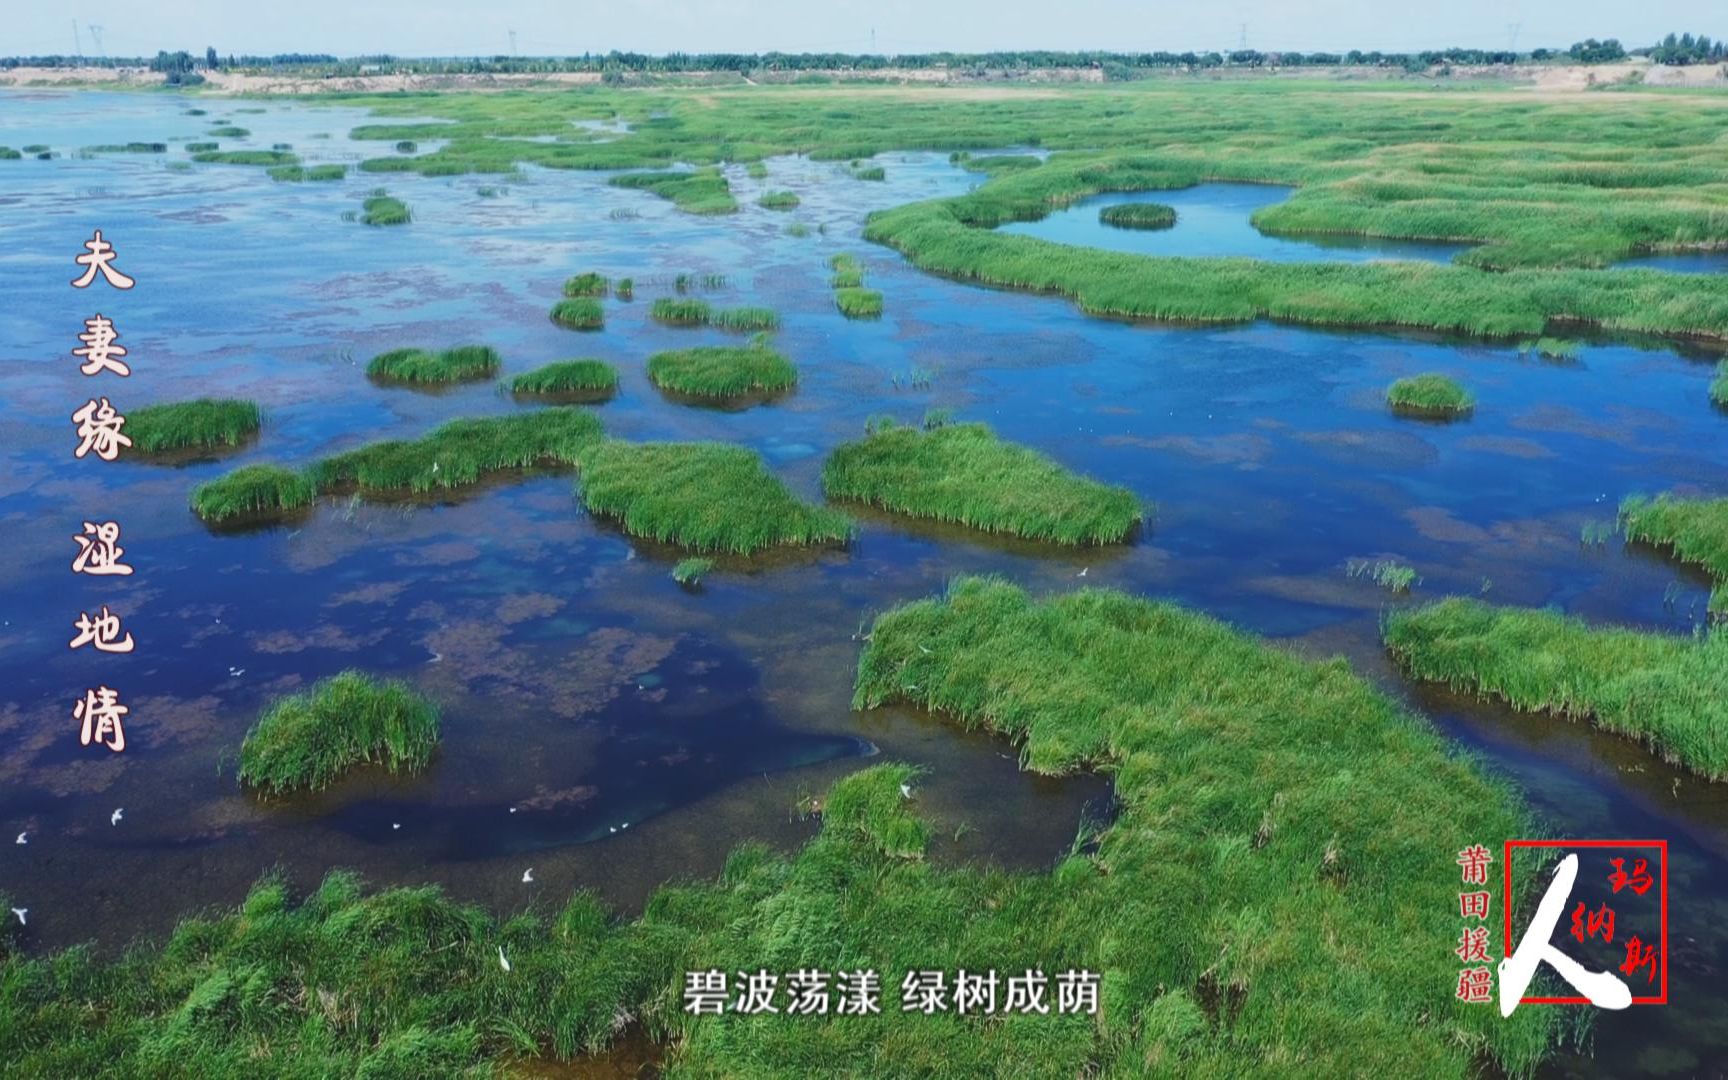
{"type": "Point", "coordinates": [756, 170]}
{"type": "Point", "coordinates": [35, 148]}
{"type": "Point", "coordinates": [407, 146]}
{"type": "Point", "coordinates": [1429, 394]}
{"type": "Point", "coordinates": [856, 303]}
{"type": "Point", "coordinates": [872, 172]}
{"type": "Point", "coordinates": [690, 571]}
{"type": "Point", "coordinates": [1386, 573]}
{"type": "Point", "coordinates": [746, 319]}
{"type": "Point", "coordinates": [1141, 215]}
{"type": "Point", "coordinates": [626, 289]}
{"type": "Point", "coordinates": [252, 491]}
{"type": "Point", "coordinates": [310, 739]}
{"type": "Point", "coordinates": [580, 313]}
{"type": "Point", "coordinates": [704, 191]}
{"type": "Point", "coordinates": [586, 284]}
{"type": "Point", "coordinates": [420, 366]}
{"type": "Point", "coordinates": [1696, 530]}
{"type": "Point", "coordinates": [797, 228]}
{"type": "Point", "coordinates": [246, 157]}
{"type": "Point", "coordinates": [1551, 348]}
{"type": "Point", "coordinates": [1241, 826]}
{"type": "Point", "coordinates": [1668, 692]}
{"type": "Point", "coordinates": [459, 453]}
{"type": "Point", "coordinates": [707, 496]}
{"type": "Point", "coordinates": [197, 147]}
{"type": "Point", "coordinates": [778, 200]}
{"type": "Point", "coordinates": [281, 146]}
{"type": "Point", "coordinates": [9, 154]}
{"type": "Point", "coordinates": [128, 148]}
{"type": "Point", "coordinates": [205, 422]}
{"type": "Point", "coordinates": [1719, 388]}
{"type": "Point", "coordinates": [722, 371]}
{"type": "Point", "coordinates": [842, 261]}
{"type": "Point", "coordinates": [384, 210]}
{"type": "Point", "coordinates": [298, 173]}
{"type": "Point", "coordinates": [229, 131]}
{"type": "Point", "coordinates": [568, 377]}
{"type": "Point", "coordinates": [1596, 533]}
{"type": "Point", "coordinates": [963, 473]}
{"type": "Point", "coordinates": [678, 312]}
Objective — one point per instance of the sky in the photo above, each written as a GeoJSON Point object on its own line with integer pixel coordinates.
{"type": "Point", "coordinates": [551, 27]}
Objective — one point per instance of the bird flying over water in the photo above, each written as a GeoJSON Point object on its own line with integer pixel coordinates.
{"type": "Point", "coordinates": [114, 818]}
{"type": "Point", "coordinates": [528, 876]}
{"type": "Point", "coordinates": [23, 838]}
{"type": "Point", "coordinates": [21, 912]}
{"type": "Point", "coordinates": [1082, 572]}
{"type": "Point", "coordinates": [905, 791]}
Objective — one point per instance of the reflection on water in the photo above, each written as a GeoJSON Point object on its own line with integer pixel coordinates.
{"type": "Point", "coordinates": [1681, 262]}
{"type": "Point", "coordinates": [1215, 220]}
{"type": "Point", "coordinates": [583, 688]}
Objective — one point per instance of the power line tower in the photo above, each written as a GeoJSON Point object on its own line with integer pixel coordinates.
{"type": "Point", "coordinates": [1512, 36]}
{"type": "Point", "coordinates": [512, 43]}
{"type": "Point", "coordinates": [1242, 39]}
{"type": "Point", "coordinates": [96, 39]}
{"type": "Point", "coordinates": [77, 42]}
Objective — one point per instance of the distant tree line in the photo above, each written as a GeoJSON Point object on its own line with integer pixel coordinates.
{"type": "Point", "coordinates": [183, 66]}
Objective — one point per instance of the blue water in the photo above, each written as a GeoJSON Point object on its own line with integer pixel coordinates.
{"type": "Point", "coordinates": [1216, 220]}
{"type": "Point", "coordinates": [583, 688]}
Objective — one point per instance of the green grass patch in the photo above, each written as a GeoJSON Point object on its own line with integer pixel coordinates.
{"type": "Point", "coordinates": [460, 452]}
{"type": "Point", "coordinates": [691, 571]}
{"type": "Point", "coordinates": [707, 496]}
{"type": "Point", "coordinates": [585, 377]}
{"type": "Point", "coordinates": [309, 740]}
{"type": "Point", "coordinates": [778, 200]}
{"type": "Point", "coordinates": [458, 364]}
{"type": "Point", "coordinates": [626, 289]}
{"type": "Point", "coordinates": [999, 163]}
{"type": "Point", "coordinates": [586, 284]}
{"type": "Point", "coordinates": [1696, 530]}
{"type": "Point", "coordinates": [704, 191]}
{"type": "Point", "coordinates": [858, 303]}
{"type": "Point", "coordinates": [1668, 692]}
{"type": "Point", "coordinates": [1429, 394]}
{"type": "Point", "coordinates": [302, 173]}
{"type": "Point", "coordinates": [869, 172]}
{"type": "Point", "coordinates": [252, 491]}
{"type": "Point", "coordinates": [1239, 840]}
{"type": "Point", "coordinates": [745, 319]}
{"type": "Point", "coordinates": [849, 278]}
{"type": "Point", "coordinates": [200, 147]}
{"type": "Point", "coordinates": [228, 131]}
{"type": "Point", "coordinates": [128, 148]}
{"type": "Point", "coordinates": [679, 311]}
{"type": "Point", "coordinates": [384, 210]}
{"type": "Point", "coordinates": [756, 170]}
{"type": "Point", "coordinates": [9, 154]}
{"type": "Point", "coordinates": [246, 157]}
{"type": "Point", "coordinates": [1141, 215]}
{"type": "Point", "coordinates": [206, 422]}
{"type": "Point", "coordinates": [580, 313]}
{"type": "Point", "coordinates": [722, 371]}
{"type": "Point", "coordinates": [963, 473]}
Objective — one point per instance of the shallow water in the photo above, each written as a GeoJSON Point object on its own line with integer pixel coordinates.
{"type": "Point", "coordinates": [584, 689]}
{"type": "Point", "coordinates": [1214, 220]}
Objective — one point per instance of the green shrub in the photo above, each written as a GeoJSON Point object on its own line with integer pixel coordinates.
{"type": "Point", "coordinates": [308, 740]}
{"type": "Point", "coordinates": [457, 364]}
{"type": "Point", "coordinates": [1429, 394]}
{"type": "Point", "coordinates": [1141, 215]}
{"type": "Point", "coordinates": [963, 473]}
{"type": "Point", "coordinates": [721, 371]}
{"type": "Point", "coordinates": [594, 377]}
{"type": "Point", "coordinates": [707, 496]}
{"type": "Point", "coordinates": [252, 491]}
{"type": "Point", "coordinates": [580, 313]}
{"type": "Point", "coordinates": [586, 284]}
{"type": "Point", "coordinates": [206, 422]}
{"type": "Point", "coordinates": [384, 210]}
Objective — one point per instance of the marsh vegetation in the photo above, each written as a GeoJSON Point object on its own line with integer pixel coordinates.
{"type": "Point", "coordinates": [380, 209]}
{"type": "Point", "coordinates": [204, 423]}
{"type": "Point", "coordinates": [309, 740]}
{"type": "Point", "coordinates": [410, 365]}
{"type": "Point", "coordinates": [252, 491]}
{"type": "Point", "coordinates": [1429, 394]}
{"type": "Point", "coordinates": [588, 380]}
{"type": "Point", "coordinates": [579, 313]}
{"type": "Point", "coordinates": [1140, 215]}
{"type": "Point", "coordinates": [722, 371]}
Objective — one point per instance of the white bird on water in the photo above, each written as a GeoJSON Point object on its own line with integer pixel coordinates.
{"type": "Point", "coordinates": [21, 912]}
{"type": "Point", "coordinates": [1082, 572]}
{"type": "Point", "coordinates": [502, 962]}
{"type": "Point", "coordinates": [23, 838]}
{"type": "Point", "coordinates": [114, 818]}
{"type": "Point", "coordinates": [528, 876]}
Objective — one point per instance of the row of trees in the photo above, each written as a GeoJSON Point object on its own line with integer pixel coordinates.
{"type": "Point", "coordinates": [1681, 49]}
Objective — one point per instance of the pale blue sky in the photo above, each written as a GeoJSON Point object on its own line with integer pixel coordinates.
{"type": "Point", "coordinates": [481, 27]}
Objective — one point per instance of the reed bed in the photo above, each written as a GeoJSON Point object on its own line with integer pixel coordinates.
{"type": "Point", "coordinates": [459, 364]}
{"type": "Point", "coordinates": [461, 452]}
{"type": "Point", "coordinates": [690, 572]}
{"type": "Point", "coordinates": [1251, 838]}
{"type": "Point", "coordinates": [678, 311]}
{"type": "Point", "coordinates": [385, 210]}
{"type": "Point", "coordinates": [1671, 693]}
{"type": "Point", "coordinates": [858, 303]}
{"type": "Point", "coordinates": [1696, 530]}
{"type": "Point", "coordinates": [706, 496]}
{"type": "Point", "coordinates": [704, 191]}
{"type": "Point", "coordinates": [246, 157]}
{"type": "Point", "coordinates": [778, 200]}
{"type": "Point", "coordinates": [1140, 215]}
{"type": "Point", "coordinates": [592, 377]}
{"type": "Point", "coordinates": [722, 371]}
{"type": "Point", "coordinates": [870, 172]}
{"type": "Point", "coordinates": [1429, 394]}
{"type": "Point", "coordinates": [228, 131]}
{"type": "Point", "coordinates": [579, 313]}
{"type": "Point", "coordinates": [309, 740]}
{"type": "Point", "coordinates": [252, 491]}
{"type": "Point", "coordinates": [202, 423]}
{"type": "Point", "coordinates": [963, 473]}
{"type": "Point", "coordinates": [303, 173]}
